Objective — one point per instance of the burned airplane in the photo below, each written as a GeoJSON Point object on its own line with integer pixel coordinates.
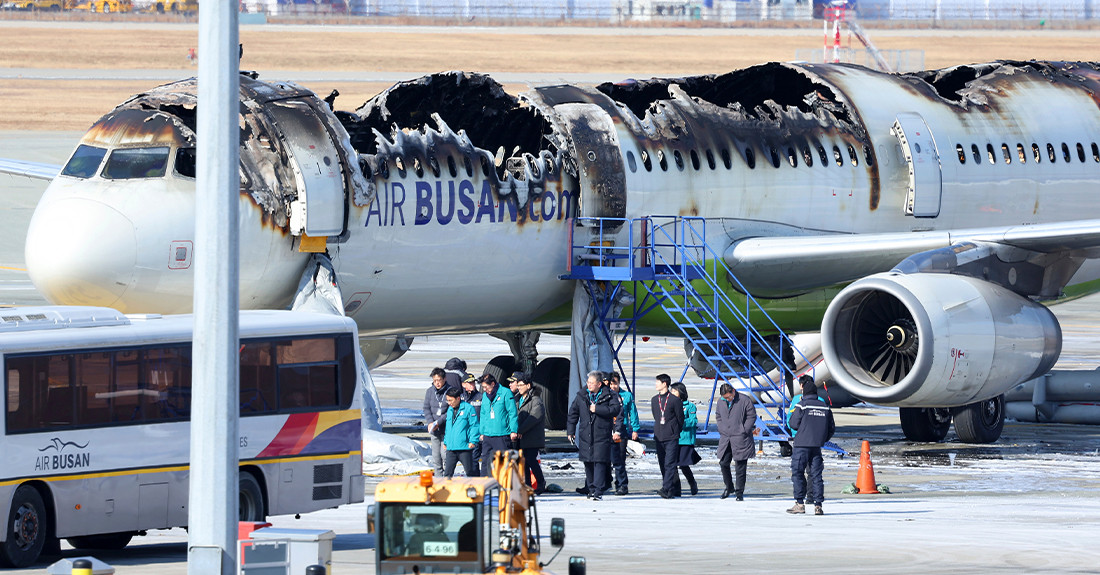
{"type": "Point", "coordinates": [916, 220]}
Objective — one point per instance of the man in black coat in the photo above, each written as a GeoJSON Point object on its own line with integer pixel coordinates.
{"type": "Point", "coordinates": [735, 414]}
{"type": "Point", "coordinates": [589, 424]}
{"type": "Point", "coordinates": [668, 422]}
{"type": "Point", "coordinates": [813, 420]}
{"type": "Point", "coordinates": [435, 416]}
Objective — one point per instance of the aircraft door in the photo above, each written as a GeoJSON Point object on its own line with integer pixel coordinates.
{"type": "Point", "coordinates": [318, 172]}
{"type": "Point", "coordinates": [601, 174]}
{"type": "Point", "coordinates": [923, 158]}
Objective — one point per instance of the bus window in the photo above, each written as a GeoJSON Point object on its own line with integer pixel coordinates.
{"type": "Point", "coordinates": [85, 162]}
{"type": "Point", "coordinates": [257, 378]}
{"type": "Point", "coordinates": [305, 351]}
{"type": "Point", "coordinates": [126, 393]}
{"type": "Point", "coordinates": [303, 386]}
{"type": "Point", "coordinates": [167, 383]}
{"type": "Point", "coordinates": [130, 163]}
{"type": "Point", "coordinates": [93, 388]}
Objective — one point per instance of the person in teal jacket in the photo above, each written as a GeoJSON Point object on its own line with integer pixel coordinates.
{"type": "Point", "coordinates": [687, 436]}
{"type": "Point", "coordinates": [626, 428]}
{"type": "Point", "coordinates": [499, 421]}
{"type": "Point", "coordinates": [460, 435]}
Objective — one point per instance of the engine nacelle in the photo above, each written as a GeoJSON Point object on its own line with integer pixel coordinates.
{"type": "Point", "coordinates": [935, 340]}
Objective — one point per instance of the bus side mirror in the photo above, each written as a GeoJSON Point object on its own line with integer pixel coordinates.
{"type": "Point", "coordinates": [577, 566]}
{"type": "Point", "coordinates": [557, 533]}
{"type": "Point", "coordinates": [370, 518]}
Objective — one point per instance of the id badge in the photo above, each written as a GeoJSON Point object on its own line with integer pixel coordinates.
{"type": "Point", "coordinates": [492, 414]}
{"type": "Point", "coordinates": [662, 420]}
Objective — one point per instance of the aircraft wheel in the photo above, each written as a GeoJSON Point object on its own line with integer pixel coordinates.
{"type": "Point", "coordinates": [928, 425]}
{"type": "Point", "coordinates": [28, 527]}
{"type": "Point", "coordinates": [113, 541]}
{"type": "Point", "coordinates": [251, 498]}
{"type": "Point", "coordinates": [552, 378]}
{"type": "Point", "coordinates": [500, 367]}
{"type": "Point", "coordinates": [980, 422]}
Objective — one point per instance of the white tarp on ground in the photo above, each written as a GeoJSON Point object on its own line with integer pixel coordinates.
{"type": "Point", "coordinates": [385, 454]}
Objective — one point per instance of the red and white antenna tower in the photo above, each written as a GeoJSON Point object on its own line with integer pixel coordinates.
{"type": "Point", "coordinates": [834, 15]}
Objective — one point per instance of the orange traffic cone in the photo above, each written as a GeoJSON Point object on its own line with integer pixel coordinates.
{"type": "Point", "coordinates": [865, 481]}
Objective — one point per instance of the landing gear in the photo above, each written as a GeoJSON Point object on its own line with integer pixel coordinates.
{"type": "Point", "coordinates": [980, 422]}
{"type": "Point", "coordinates": [28, 526]}
{"type": "Point", "coordinates": [925, 424]}
{"type": "Point", "coordinates": [500, 367]}
{"type": "Point", "coordinates": [552, 378]}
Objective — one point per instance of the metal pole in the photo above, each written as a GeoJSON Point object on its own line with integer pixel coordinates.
{"type": "Point", "coordinates": [212, 513]}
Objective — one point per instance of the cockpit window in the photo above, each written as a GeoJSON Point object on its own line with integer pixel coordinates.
{"type": "Point", "coordinates": [129, 163]}
{"type": "Point", "coordinates": [185, 162]}
{"type": "Point", "coordinates": [85, 162]}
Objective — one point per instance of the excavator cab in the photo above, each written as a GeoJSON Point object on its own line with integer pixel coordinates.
{"type": "Point", "coordinates": [473, 525]}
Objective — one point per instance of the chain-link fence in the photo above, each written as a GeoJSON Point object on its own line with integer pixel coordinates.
{"type": "Point", "coordinates": [671, 11]}
{"type": "Point", "coordinates": [899, 60]}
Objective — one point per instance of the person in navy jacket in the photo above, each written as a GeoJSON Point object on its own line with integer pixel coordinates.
{"type": "Point", "coordinates": [813, 420]}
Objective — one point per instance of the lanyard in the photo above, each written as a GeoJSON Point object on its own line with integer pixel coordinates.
{"type": "Point", "coordinates": [663, 402]}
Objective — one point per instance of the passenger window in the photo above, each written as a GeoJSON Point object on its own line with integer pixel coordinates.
{"type": "Point", "coordinates": [418, 168]}
{"type": "Point", "coordinates": [867, 155]}
{"type": "Point", "coordinates": [1095, 153]}
{"type": "Point", "coordinates": [646, 163]}
{"type": "Point", "coordinates": [185, 162]}
{"type": "Point", "coordinates": [1021, 153]}
{"type": "Point", "coordinates": [1035, 152]}
{"type": "Point", "coordinates": [824, 157]}
{"type": "Point", "coordinates": [838, 156]}
{"type": "Point", "coordinates": [433, 165]}
{"type": "Point", "coordinates": [631, 162]}
{"type": "Point", "coordinates": [400, 163]}
{"type": "Point", "coordinates": [710, 160]}
{"type": "Point", "coordinates": [676, 155]}
{"type": "Point", "coordinates": [1080, 152]}
{"type": "Point", "coordinates": [750, 158]}
{"type": "Point", "coordinates": [807, 157]}
{"type": "Point", "coordinates": [792, 158]}
{"type": "Point", "coordinates": [977, 155]}
{"type": "Point", "coordinates": [989, 153]}
{"type": "Point", "coordinates": [133, 163]}
{"type": "Point", "coordinates": [727, 161]}
{"type": "Point", "coordinates": [694, 160]}
{"type": "Point", "coordinates": [85, 162]}
{"type": "Point", "coordinates": [775, 157]}
{"type": "Point", "coordinates": [1005, 153]}
{"type": "Point", "coordinates": [1050, 153]}
{"type": "Point", "coordinates": [961, 152]}
{"type": "Point", "coordinates": [662, 160]}
{"type": "Point", "coordinates": [852, 156]}
{"type": "Point", "coordinates": [1065, 152]}
{"type": "Point", "coordinates": [451, 167]}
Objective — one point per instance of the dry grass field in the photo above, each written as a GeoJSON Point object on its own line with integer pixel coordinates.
{"type": "Point", "coordinates": [277, 52]}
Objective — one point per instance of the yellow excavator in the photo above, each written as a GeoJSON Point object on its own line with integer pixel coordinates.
{"type": "Point", "coordinates": [467, 525]}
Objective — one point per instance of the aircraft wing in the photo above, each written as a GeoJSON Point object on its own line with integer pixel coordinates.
{"type": "Point", "coordinates": [779, 266]}
{"type": "Point", "coordinates": [35, 170]}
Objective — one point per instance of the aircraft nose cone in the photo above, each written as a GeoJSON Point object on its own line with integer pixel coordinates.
{"type": "Point", "coordinates": [80, 252]}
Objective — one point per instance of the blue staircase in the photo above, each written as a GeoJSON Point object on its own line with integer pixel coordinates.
{"type": "Point", "coordinates": [681, 274]}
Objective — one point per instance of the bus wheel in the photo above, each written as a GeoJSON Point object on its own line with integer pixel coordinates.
{"type": "Point", "coordinates": [27, 526]}
{"type": "Point", "coordinates": [113, 541]}
{"type": "Point", "coordinates": [251, 498]}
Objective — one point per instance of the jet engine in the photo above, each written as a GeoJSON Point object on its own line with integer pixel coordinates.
{"type": "Point", "coordinates": [935, 340]}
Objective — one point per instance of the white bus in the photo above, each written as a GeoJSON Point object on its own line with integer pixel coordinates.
{"type": "Point", "coordinates": [95, 429]}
